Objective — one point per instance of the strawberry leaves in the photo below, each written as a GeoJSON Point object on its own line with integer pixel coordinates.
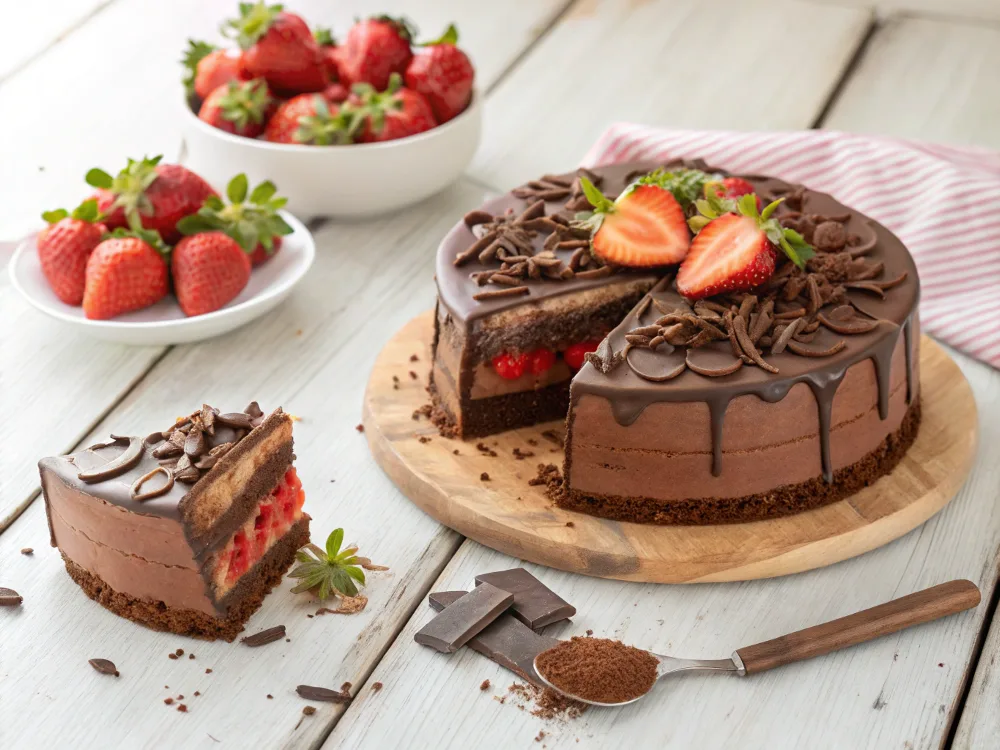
{"type": "Point", "coordinates": [323, 128]}
{"type": "Point", "coordinates": [194, 54]}
{"type": "Point", "coordinates": [330, 571]}
{"type": "Point", "coordinates": [86, 211]}
{"type": "Point", "coordinates": [250, 220]}
{"type": "Point", "coordinates": [129, 185]}
{"type": "Point", "coordinates": [450, 36]}
{"type": "Point", "coordinates": [686, 185]}
{"type": "Point", "coordinates": [246, 102]}
{"type": "Point", "coordinates": [254, 21]}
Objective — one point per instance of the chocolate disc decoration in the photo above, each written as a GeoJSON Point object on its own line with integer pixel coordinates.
{"type": "Point", "coordinates": [163, 489]}
{"type": "Point", "coordinates": [125, 460]}
{"type": "Point", "coordinates": [713, 363]}
{"type": "Point", "coordinates": [665, 363]}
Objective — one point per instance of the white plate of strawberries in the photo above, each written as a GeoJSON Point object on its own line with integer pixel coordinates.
{"type": "Point", "coordinates": [155, 256]}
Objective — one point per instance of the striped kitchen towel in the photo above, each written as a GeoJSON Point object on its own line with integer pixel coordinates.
{"type": "Point", "coordinates": [942, 201]}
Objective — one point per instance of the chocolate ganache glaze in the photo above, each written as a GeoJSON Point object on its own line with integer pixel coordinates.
{"type": "Point", "coordinates": [632, 376]}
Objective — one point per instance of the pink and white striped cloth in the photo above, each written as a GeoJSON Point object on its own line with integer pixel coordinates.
{"type": "Point", "coordinates": [943, 202]}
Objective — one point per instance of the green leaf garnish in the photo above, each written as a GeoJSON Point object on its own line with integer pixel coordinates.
{"type": "Point", "coordinates": [329, 571]}
{"type": "Point", "coordinates": [324, 37]}
{"type": "Point", "coordinates": [450, 36]}
{"type": "Point", "coordinates": [86, 211]}
{"type": "Point", "coordinates": [686, 185]}
{"type": "Point", "coordinates": [194, 54]}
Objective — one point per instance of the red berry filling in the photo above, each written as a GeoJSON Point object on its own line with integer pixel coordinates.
{"type": "Point", "coordinates": [512, 366]}
{"type": "Point", "coordinates": [275, 515]}
{"type": "Point", "coordinates": [575, 354]}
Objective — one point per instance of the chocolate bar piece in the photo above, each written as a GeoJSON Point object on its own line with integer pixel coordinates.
{"type": "Point", "coordinates": [535, 604]}
{"type": "Point", "coordinates": [507, 641]}
{"type": "Point", "coordinates": [458, 623]}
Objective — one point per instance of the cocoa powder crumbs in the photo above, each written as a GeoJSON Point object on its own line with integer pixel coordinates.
{"type": "Point", "coordinates": [424, 439]}
{"type": "Point", "coordinates": [359, 427]}
{"type": "Point", "coordinates": [168, 701]}
{"type": "Point", "coordinates": [598, 669]}
{"type": "Point", "coordinates": [484, 477]}
{"type": "Point", "coordinates": [378, 685]}
{"type": "Point", "coordinates": [570, 524]}
{"type": "Point", "coordinates": [414, 358]}
{"type": "Point", "coordinates": [413, 375]}
{"type": "Point", "coordinates": [456, 452]}
{"type": "Point", "coordinates": [548, 704]}
{"type": "Point", "coordinates": [208, 671]}
{"type": "Point", "coordinates": [197, 692]}
{"type": "Point", "coordinates": [179, 652]}
{"type": "Point", "coordinates": [548, 476]}
{"type": "Point", "coordinates": [486, 450]}
{"type": "Point", "coordinates": [182, 708]}
{"type": "Point", "coordinates": [190, 656]}
{"type": "Point", "coordinates": [484, 685]}
{"type": "Point", "coordinates": [589, 632]}
{"type": "Point", "coordinates": [540, 736]}
{"type": "Point", "coordinates": [309, 710]}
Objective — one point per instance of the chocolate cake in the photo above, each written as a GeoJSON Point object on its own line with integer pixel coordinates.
{"type": "Point", "coordinates": [747, 403]}
{"type": "Point", "coordinates": [186, 530]}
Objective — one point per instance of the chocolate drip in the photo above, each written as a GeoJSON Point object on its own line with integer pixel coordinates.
{"type": "Point", "coordinates": [908, 346]}
{"type": "Point", "coordinates": [824, 393]}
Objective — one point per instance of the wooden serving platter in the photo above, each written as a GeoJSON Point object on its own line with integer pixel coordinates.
{"type": "Point", "coordinates": [509, 515]}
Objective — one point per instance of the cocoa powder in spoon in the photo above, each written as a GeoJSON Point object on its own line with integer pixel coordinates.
{"type": "Point", "coordinates": [598, 669]}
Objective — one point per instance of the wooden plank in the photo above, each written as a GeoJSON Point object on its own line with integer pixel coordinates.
{"type": "Point", "coordinates": [646, 62]}
{"type": "Point", "coordinates": [312, 356]}
{"type": "Point", "coordinates": [901, 689]}
{"type": "Point", "coordinates": [926, 79]}
{"type": "Point", "coordinates": [986, 10]}
{"type": "Point", "coordinates": [67, 382]}
{"type": "Point", "coordinates": [40, 25]}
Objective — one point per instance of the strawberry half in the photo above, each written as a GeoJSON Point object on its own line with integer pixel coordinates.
{"type": "Point", "coordinates": [736, 250]}
{"type": "Point", "coordinates": [643, 228]}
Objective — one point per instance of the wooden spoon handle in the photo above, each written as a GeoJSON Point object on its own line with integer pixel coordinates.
{"type": "Point", "coordinates": [912, 609]}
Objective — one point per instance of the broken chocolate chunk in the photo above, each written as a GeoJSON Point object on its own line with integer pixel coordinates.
{"type": "Point", "coordinates": [535, 604]}
{"type": "Point", "coordinates": [457, 624]}
{"type": "Point", "coordinates": [265, 636]}
{"type": "Point", "coordinates": [103, 666]}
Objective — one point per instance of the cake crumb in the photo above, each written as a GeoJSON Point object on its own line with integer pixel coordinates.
{"type": "Point", "coordinates": [172, 656]}
{"type": "Point", "coordinates": [484, 477]}
{"type": "Point", "coordinates": [424, 439]}
{"type": "Point", "coordinates": [168, 701]}
{"type": "Point", "coordinates": [570, 524]}
{"type": "Point", "coordinates": [456, 452]}
{"type": "Point", "coordinates": [395, 378]}
{"type": "Point", "coordinates": [180, 697]}
{"type": "Point", "coordinates": [521, 455]}
{"type": "Point", "coordinates": [589, 631]}
{"type": "Point", "coordinates": [270, 697]}
{"type": "Point", "coordinates": [179, 652]}
{"type": "Point", "coordinates": [27, 551]}
{"type": "Point", "coordinates": [413, 375]}
{"type": "Point", "coordinates": [486, 450]}
{"type": "Point", "coordinates": [197, 693]}
{"type": "Point", "coordinates": [182, 708]}
{"type": "Point", "coordinates": [532, 442]}
{"type": "Point", "coordinates": [484, 685]}
{"type": "Point", "coordinates": [309, 710]}
{"type": "Point", "coordinates": [378, 685]}
{"type": "Point", "coordinates": [414, 358]}
{"type": "Point", "coordinates": [359, 427]}
{"type": "Point", "coordinates": [190, 656]}
{"type": "Point", "coordinates": [540, 736]}
{"type": "Point", "coordinates": [424, 411]}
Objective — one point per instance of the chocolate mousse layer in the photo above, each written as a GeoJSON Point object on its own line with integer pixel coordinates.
{"type": "Point", "coordinates": [141, 522]}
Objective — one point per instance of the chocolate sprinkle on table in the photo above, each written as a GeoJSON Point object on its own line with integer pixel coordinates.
{"type": "Point", "coordinates": [265, 636]}
{"type": "Point", "coordinates": [309, 710]}
{"type": "Point", "coordinates": [309, 692]}
{"type": "Point", "coordinates": [10, 598]}
{"type": "Point", "coordinates": [27, 551]}
{"type": "Point", "coordinates": [104, 666]}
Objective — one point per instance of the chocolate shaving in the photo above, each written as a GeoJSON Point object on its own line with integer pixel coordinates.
{"type": "Point", "coordinates": [195, 444]}
{"type": "Point", "coordinates": [311, 693]}
{"type": "Point", "coordinates": [123, 462]}
{"type": "Point", "coordinates": [10, 598]}
{"type": "Point", "coordinates": [512, 291]}
{"type": "Point", "coordinates": [713, 372]}
{"type": "Point", "coordinates": [786, 335]}
{"type": "Point", "coordinates": [237, 420]}
{"type": "Point", "coordinates": [748, 347]}
{"type": "Point", "coordinates": [103, 666]}
{"type": "Point", "coordinates": [805, 351]}
{"type": "Point", "coordinates": [163, 489]}
{"type": "Point", "coordinates": [853, 326]}
{"type": "Point", "coordinates": [265, 636]}
{"type": "Point", "coordinates": [478, 216]}
{"type": "Point", "coordinates": [596, 273]}
{"type": "Point", "coordinates": [866, 286]}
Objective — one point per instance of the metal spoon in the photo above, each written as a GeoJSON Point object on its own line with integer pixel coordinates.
{"type": "Point", "coordinates": [891, 617]}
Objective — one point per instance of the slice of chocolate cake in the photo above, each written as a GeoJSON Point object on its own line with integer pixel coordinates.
{"type": "Point", "coordinates": [186, 530]}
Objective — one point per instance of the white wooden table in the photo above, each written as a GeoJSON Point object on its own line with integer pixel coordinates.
{"type": "Point", "coordinates": [90, 82]}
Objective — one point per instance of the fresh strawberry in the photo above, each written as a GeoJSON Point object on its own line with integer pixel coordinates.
{"type": "Point", "coordinates": [443, 74]}
{"type": "Point", "coordinates": [510, 366]}
{"type": "Point", "coordinates": [239, 108]}
{"type": "Point", "coordinates": [207, 68]}
{"type": "Point", "coordinates": [331, 52]}
{"type": "Point", "coordinates": [735, 188]}
{"type": "Point", "coordinates": [262, 254]}
{"type": "Point", "coordinates": [125, 272]}
{"type": "Point", "coordinates": [736, 250]}
{"type": "Point", "coordinates": [643, 228]}
{"type": "Point", "coordinates": [575, 354]}
{"type": "Point", "coordinates": [149, 195]}
{"type": "Point", "coordinates": [253, 221]}
{"type": "Point", "coordinates": [541, 360]}
{"type": "Point", "coordinates": [394, 113]}
{"type": "Point", "coordinates": [374, 49]}
{"type": "Point", "coordinates": [209, 269]}
{"type": "Point", "coordinates": [336, 93]}
{"type": "Point", "coordinates": [64, 247]}
{"type": "Point", "coordinates": [278, 47]}
{"type": "Point", "coordinates": [309, 119]}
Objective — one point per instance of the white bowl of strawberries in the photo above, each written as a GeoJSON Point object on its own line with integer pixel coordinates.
{"type": "Point", "coordinates": [354, 130]}
{"type": "Point", "coordinates": [156, 257]}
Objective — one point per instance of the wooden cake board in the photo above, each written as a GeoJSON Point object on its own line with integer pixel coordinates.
{"type": "Point", "coordinates": [509, 515]}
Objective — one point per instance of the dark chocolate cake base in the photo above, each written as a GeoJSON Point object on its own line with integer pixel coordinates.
{"type": "Point", "coordinates": [488, 416]}
{"type": "Point", "coordinates": [255, 585]}
{"type": "Point", "coordinates": [782, 501]}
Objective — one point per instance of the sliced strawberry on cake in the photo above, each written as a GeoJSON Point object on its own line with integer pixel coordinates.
{"type": "Point", "coordinates": [186, 530]}
{"type": "Point", "coordinates": [736, 247]}
{"type": "Point", "coordinates": [644, 227]}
